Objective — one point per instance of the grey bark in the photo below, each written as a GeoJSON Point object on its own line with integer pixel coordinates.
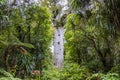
{"type": "Point", "coordinates": [58, 47]}
{"type": "Point", "coordinates": [58, 55]}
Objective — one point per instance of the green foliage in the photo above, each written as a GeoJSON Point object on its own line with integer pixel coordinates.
{"type": "Point", "coordinates": [12, 40]}
{"type": "Point", "coordinates": [89, 37]}
{"type": "Point", "coordinates": [7, 76]}
{"type": "Point", "coordinates": [74, 4]}
{"type": "Point", "coordinates": [100, 76]}
{"type": "Point", "coordinates": [72, 71]}
{"type": "Point", "coordinates": [27, 30]}
{"type": "Point", "coordinates": [92, 40]}
{"type": "Point", "coordinates": [51, 74]}
{"type": "Point", "coordinates": [95, 65]}
{"type": "Point", "coordinates": [115, 69]}
{"type": "Point", "coordinates": [1, 1]}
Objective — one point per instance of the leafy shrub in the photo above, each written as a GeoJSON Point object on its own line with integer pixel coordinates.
{"type": "Point", "coordinates": [111, 76]}
{"type": "Point", "coordinates": [7, 75]}
{"type": "Point", "coordinates": [95, 65]}
{"type": "Point", "coordinates": [116, 69]}
{"type": "Point", "coordinates": [52, 74]}
{"type": "Point", "coordinates": [73, 71]}
{"type": "Point", "coordinates": [100, 76]}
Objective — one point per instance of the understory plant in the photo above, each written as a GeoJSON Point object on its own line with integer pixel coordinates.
{"type": "Point", "coordinates": [4, 75]}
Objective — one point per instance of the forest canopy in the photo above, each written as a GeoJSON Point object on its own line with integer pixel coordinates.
{"type": "Point", "coordinates": [84, 33]}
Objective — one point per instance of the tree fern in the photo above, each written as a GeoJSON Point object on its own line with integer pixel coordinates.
{"type": "Point", "coordinates": [14, 42]}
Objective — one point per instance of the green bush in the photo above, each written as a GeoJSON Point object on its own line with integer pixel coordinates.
{"type": "Point", "coordinates": [115, 69]}
{"type": "Point", "coordinates": [111, 76]}
{"type": "Point", "coordinates": [52, 74]}
{"type": "Point", "coordinates": [100, 76]}
{"type": "Point", "coordinates": [70, 71]}
{"type": "Point", "coordinates": [73, 71]}
{"type": "Point", "coordinates": [95, 65]}
{"type": "Point", "coordinates": [7, 75]}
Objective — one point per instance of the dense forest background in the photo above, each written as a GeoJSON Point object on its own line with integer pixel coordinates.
{"type": "Point", "coordinates": [91, 39]}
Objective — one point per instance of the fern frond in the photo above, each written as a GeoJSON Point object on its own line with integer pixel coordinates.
{"type": "Point", "coordinates": [7, 75]}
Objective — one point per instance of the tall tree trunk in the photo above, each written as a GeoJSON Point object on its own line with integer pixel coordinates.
{"type": "Point", "coordinates": [58, 47]}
